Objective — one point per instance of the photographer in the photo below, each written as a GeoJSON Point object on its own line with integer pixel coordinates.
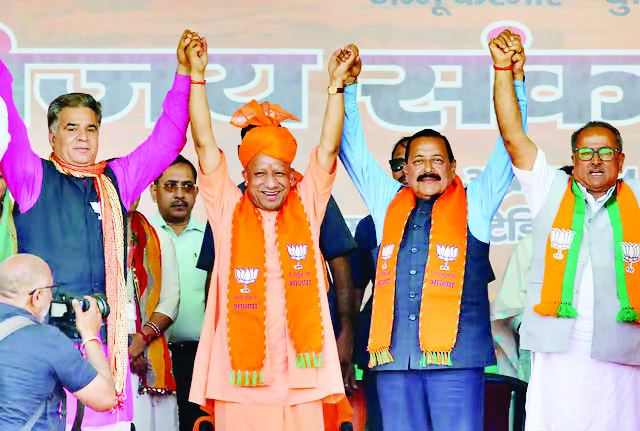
{"type": "Point", "coordinates": [37, 360]}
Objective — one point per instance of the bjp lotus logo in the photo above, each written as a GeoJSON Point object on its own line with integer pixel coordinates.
{"type": "Point", "coordinates": [561, 240]}
{"type": "Point", "coordinates": [387, 251]}
{"type": "Point", "coordinates": [447, 253]}
{"type": "Point", "coordinates": [297, 252]}
{"type": "Point", "coordinates": [246, 276]}
{"type": "Point", "coordinates": [630, 254]}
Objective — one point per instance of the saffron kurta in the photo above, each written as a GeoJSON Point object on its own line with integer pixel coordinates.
{"type": "Point", "coordinates": [284, 384]}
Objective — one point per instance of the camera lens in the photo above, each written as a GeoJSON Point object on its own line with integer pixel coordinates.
{"type": "Point", "coordinates": [101, 300]}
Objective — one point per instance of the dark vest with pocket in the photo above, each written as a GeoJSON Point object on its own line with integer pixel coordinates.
{"type": "Point", "coordinates": [64, 228]}
{"type": "Point", "coordinates": [474, 345]}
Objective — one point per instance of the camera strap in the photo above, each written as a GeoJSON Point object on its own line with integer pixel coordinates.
{"type": "Point", "coordinates": [8, 327]}
{"type": "Point", "coordinates": [12, 324]}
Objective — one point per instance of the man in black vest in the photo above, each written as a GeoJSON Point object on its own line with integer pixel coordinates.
{"type": "Point", "coordinates": [71, 211]}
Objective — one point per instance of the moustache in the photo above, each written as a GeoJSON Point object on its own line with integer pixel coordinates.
{"type": "Point", "coordinates": [178, 202]}
{"type": "Point", "coordinates": [432, 175]}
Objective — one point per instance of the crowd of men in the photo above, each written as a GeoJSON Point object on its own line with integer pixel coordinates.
{"type": "Point", "coordinates": [251, 321]}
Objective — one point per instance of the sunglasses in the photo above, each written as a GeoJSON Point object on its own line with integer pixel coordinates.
{"type": "Point", "coordinates": [605, 153]}
{"type": "Point", "coordinates": [396, 164]}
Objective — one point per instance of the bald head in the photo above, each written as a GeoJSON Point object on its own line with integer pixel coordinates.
{"type": "Point", "coordinates": [23, 273]}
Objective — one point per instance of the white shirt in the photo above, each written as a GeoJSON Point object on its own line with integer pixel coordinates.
{"type": "Point", "coordinates": [569, 390]}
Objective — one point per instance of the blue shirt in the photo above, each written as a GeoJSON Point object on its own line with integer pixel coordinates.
{"type": "Point", "coordinates": [36, 362]}
{"type": "Point", "coordinates": [473, 345]}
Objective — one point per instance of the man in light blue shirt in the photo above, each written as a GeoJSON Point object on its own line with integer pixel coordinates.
{"type": "Point", "coordinates": [414, 395]}
{"type": "Point", "coordinates": [175, 192]}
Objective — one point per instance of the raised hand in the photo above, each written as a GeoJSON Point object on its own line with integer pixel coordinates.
{"type": "Point", "coordinates": [198, 57]}
{"type": "Point", "coordinates": [184, 68]}
{"type": "Point", "coordinates": [518, 59]}
{"type": "Point", "coordinates": [504, 47]}
{"type": "Point", "coordinates": [339, 65]}
{"type": "Point", "coordinates": [356, 67]}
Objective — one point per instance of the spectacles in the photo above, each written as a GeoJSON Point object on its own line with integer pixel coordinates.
{"type": "Point", "coordinates": [171, 187]}
{"type": "Point", "coordinates": [54, 285]}
{"type": "Point", "coordinates": [396, 164]}
{"type": "Point", "coordinates": [605, 153]}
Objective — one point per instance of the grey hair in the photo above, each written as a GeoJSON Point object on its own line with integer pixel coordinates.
{"type": "Point", "coordinates": [72, 100]}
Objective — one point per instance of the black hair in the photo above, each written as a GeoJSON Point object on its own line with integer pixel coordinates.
{"type": "Point", "coordinates": [181, 160]}
{"type": "Point", "coordinates": [428, 133]}
{"type": "Point", "coordinates": [245, 130]}
{"type": "Point", "coordinates": [568, 169]}
{"type": "Point", "coordinates": [592, 124]}
{"type": "Point", "coordinates": [403, 141]}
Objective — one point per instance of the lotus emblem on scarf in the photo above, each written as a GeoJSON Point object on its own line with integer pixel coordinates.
{"type": "Point", "coordinates": [447, 253]}
{"type": "Point", "coordinates": [387, 251]}
{"type": "Point", "coordinates": [630, 253]}
{"type": "Point", "coordinates": [95, 206]}
{"type": "Point", "coordinates": [246, 276]}
{"type": "Point", "coordinates": [561, 240]}
{"type": "Point", "coordinates": [297, 252]}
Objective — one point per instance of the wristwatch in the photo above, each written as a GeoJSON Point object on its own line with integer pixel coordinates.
{"type": "Point", "coordinates": [332, 89]}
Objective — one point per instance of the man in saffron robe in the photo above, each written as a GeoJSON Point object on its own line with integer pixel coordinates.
{"type": "Point", "coordinates": [267, 355]}
{"type": "Point", "coordinates": [430, 337]}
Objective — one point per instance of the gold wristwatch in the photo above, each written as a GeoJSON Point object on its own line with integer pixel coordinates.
{"type": "Point", "coordinates": [332, 89]}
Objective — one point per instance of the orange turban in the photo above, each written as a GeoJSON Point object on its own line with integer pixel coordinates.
{"type": "Point", "coordinates": [267, 138]}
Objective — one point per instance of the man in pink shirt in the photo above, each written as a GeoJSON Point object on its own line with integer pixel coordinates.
{"type": "Point", "coordinates": [267, 356]}
{"type": "Point", "coordinates": [71, 211]}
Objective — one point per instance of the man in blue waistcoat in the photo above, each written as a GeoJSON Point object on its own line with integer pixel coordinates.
{"type": "Point", "coordinates": [435, 394]}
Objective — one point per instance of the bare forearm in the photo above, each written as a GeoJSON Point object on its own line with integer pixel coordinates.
{"type": "Point", "coordinates": [201, 130]}
{"type": "Point", "coordinates": [522, 151]}
{"type": "Point", "coordinates": [331, 131]}
{"type": "Point", "coordinates": [506, 105]}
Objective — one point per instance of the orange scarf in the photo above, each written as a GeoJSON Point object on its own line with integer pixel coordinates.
{"type": "Point", "coordinates": [114, 250]}
{"type": "Point", "coordinates": [563, 248]}
{"type": "Point", "coordinates": [146, 261]}
{"type": "Point", "coordinates": [443, 277]}
{"type": "Point", "coordinates": [246, 301]}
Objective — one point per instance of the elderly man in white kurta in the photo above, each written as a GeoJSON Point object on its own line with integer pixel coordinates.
{"type": "Point", "coordinates": [581, 313]}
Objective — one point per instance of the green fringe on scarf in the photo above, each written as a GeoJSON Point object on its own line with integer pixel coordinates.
{"type": "Point", "coordinates": [309, 360]}
{"type": "Point", "coordinates": [246, 378]}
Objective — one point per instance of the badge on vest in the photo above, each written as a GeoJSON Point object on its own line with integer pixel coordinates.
{"type": "Point", "coordinates": [561, 240]}
{"type": "Point", "coordinates": [387, 251]}
{"type": "Point", "coordinates": [246, 276]}
{"type": "Point", "coordinates": [447, 253]}
{"type": "Point", "coordinates": [630, 254]}
{"type": "Point", "coordinates": [297, 252]}
{"type": "Point", "coordinates": [95, 206]}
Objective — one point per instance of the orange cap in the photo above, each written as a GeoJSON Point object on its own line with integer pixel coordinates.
{"type": "Point", "coordinates": [267, 138]}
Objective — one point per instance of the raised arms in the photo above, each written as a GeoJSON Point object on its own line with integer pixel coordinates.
{"type": "Point", "coordinates": [338, 66]}
{"type": "Point", "coordinates": [206, 146]}
{"type": "Point", "coordinates": [507, 54]}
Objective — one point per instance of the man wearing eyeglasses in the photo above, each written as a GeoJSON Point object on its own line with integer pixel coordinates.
{"type": "Point", "coordinates": [37, 360]}
{"type": "Point", "coordinates": [175, 192]}
{"type": "Point", "coordinates": [581, 312]}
